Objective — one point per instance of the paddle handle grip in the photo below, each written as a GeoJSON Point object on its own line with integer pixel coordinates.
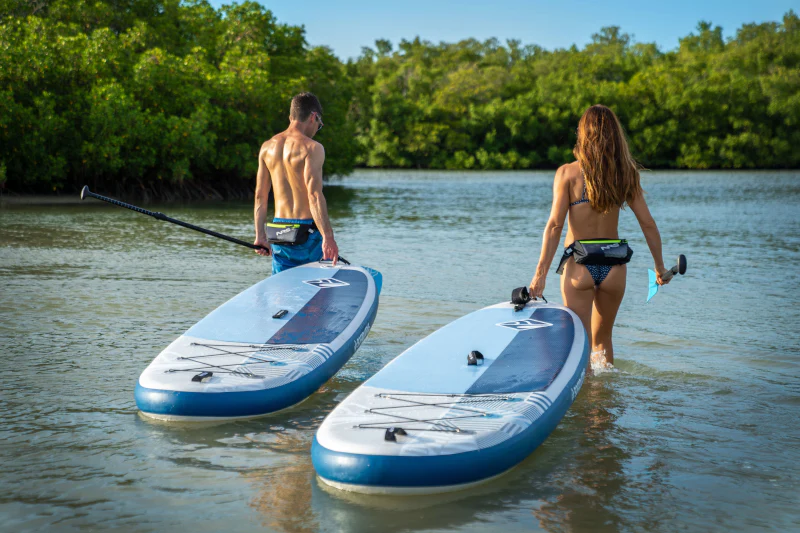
{"type": "Point", "coordinates": [679, 268]}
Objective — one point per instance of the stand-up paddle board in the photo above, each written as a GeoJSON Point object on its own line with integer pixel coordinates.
{"type": "Point", "coordinates": [463, 405]}
{"type": "Point", "coordinates": [266, 349]}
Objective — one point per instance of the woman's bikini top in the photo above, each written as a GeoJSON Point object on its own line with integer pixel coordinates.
{"type": "Point", "coordinates": [583, 199]}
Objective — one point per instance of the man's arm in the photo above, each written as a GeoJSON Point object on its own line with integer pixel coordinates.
{"type": "Point", "coordinates": [263, 186]}
{"type": "Point", "coordinates": [312, 175]}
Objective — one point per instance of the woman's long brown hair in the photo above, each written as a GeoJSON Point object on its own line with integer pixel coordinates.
{"type": "Point", "coordinates": [609, 171]}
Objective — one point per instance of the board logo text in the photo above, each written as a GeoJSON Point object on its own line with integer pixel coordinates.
{"type": "Point", "coordinates": [577, 387]}
{"type": "Point", "coordinates": [327, 283]}
{"type": "Point", "coordinates": [361, 338]}
{"type": "Point", "coordinates": [526, 324]}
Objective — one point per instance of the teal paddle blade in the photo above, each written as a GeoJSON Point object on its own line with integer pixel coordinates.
{"type": "Point", "coordinates": [653, 288]}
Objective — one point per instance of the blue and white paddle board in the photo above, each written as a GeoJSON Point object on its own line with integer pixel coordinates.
{"type": "Point", "coordinates": [260, 362]}
{"type": "Point", "coordinates": [429, 422]}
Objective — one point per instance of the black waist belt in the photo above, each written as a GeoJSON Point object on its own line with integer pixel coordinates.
{"type": "Point", "coordinates": [290, 234]}
{"type": "Point", "coordinates": [597, 252]}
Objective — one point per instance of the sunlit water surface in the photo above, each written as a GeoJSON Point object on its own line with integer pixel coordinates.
{"type": "Point", "coordinates": [697, 429]}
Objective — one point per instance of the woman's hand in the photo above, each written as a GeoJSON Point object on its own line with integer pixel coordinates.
{"type": "Point", "coordinates": [536, 287]}
{"type": "Point", "coordinates": [660, 272]}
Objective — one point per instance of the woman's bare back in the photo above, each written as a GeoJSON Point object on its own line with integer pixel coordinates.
{"type": "Point", "coordinates": [583, 222]}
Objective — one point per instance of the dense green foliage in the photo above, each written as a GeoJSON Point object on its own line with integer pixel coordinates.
{"type": "Point", "coordinates": [708, 104]}
{"type": "Point", "coordinates": [166, 95]}
{"type": "Point", "coordinates": [154, 94]}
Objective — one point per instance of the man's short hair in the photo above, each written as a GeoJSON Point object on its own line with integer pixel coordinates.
{"type": "Point", "coordinates": [303, 105]}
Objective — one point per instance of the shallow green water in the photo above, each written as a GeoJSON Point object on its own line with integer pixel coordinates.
{"type": "Point", "coordinates": [697, 430]}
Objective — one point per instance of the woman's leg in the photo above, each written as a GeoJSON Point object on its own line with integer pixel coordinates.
{"type": "Point", "coordinates": [577, 290]}
{"type": "Point", "coordinates": [606, 304]}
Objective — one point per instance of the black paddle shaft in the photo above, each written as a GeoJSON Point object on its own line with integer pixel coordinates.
{"type": "Point", "coordinates": [161, 216]}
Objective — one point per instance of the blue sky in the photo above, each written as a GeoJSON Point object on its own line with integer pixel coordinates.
{"type": "Point", "coordinates": [347, 25]}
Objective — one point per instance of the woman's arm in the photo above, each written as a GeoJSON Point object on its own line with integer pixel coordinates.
{"type": "Point", "coordinates": [552, 231]}
{"type": "Point", "coordinates": [651, 234]}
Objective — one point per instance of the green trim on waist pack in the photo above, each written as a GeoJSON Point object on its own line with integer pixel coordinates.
{"type": "Point", "coordinates": [272, 225]}
{"type": "Point", "coordinates": [605, 241]}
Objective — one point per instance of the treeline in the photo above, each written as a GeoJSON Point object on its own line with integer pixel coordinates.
{"type": "Point", "coordinates": [170, 97]}
{"type": "Point", "coordinates": [711, 103]}
{"type": "Point", "coordinates": [160, 97]}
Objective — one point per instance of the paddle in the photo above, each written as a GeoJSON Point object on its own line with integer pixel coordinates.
{"type": "Point", "coordinates": [680, 268]}
{"type": "Point", "coordinates": [161, 216]}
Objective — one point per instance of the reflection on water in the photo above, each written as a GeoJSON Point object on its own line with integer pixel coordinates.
{"type": "Point", "coordinates": [598, 477]}
{"type": "Point", "coordinates": [284, 492]}
{"type": "Point", "coordinates": [694, 430]}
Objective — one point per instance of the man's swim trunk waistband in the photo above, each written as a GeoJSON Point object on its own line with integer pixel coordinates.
{"type": "Point", "coordinates": [309, 221]}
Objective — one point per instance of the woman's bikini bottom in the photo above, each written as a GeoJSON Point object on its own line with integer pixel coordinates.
{"type": "Point", "coordinates": [599, 256]}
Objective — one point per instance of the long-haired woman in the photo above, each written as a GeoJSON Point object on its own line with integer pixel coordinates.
{"type": "Point", "coordinates": [592, 190]}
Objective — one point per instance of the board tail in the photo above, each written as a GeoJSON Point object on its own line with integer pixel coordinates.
{"type": "Point", "coordinates": [377, 276]}
{"type": "Point", "coordinates": [653, 285]}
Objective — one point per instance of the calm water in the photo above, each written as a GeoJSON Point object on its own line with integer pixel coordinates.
{"type": "Point", "coordinates": [697, 431]}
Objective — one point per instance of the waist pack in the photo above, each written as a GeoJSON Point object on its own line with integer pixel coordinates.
{"type": "Point", "coordinates": [597, 252]}
{"type": "Point", "coordinates": [289, 234]}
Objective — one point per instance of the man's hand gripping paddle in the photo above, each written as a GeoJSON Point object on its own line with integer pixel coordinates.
{"type": "Point", "coordinates": [680, 268]}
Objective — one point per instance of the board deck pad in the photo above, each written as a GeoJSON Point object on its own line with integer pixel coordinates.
{"type": "Point", "coordinates": [328, 313]}
{"type": "Point", "coordinates": [517, 369]}
{"type": "Point", "coordinates": [439, 362]}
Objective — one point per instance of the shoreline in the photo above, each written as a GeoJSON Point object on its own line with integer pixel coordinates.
{"type": "Point", "coordinates": [13, 199]}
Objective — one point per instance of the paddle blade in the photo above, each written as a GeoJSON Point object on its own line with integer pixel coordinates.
{"type": "Point", "coordinates": [653, 285]}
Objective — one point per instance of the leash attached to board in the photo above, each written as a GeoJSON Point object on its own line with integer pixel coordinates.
{"type": "Point", "coordinates": [85, 192]}
{"type": "Point", "coordinates": [679, 268]}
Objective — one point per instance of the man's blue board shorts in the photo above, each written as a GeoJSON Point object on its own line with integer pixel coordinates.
{"type": "Point", "coordinates": [285, 257]}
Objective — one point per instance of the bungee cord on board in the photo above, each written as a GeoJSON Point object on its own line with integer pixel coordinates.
{"type": "Point", "coordinates": [250, 357]}
{"type": "Point", "coordinates": [436, 423]}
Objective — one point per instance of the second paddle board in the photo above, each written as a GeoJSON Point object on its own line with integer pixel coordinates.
{"type": "Point", "coordinates": [458, 408]}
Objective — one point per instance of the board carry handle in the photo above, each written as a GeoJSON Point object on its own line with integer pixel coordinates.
{"type": "Point", "coordinates": [390, 434]}
{"type": "Point", "coordinates": [475, 358]}
{"type": "Point", "coordinates": [339, 259]}
{"type": "Point", "coordinates": [85, 192]}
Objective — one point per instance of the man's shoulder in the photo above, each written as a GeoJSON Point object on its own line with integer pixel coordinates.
{"type": "Point", "coordinates": [272, 141]}
{"type": "Point", "coordinates": [315, 147]}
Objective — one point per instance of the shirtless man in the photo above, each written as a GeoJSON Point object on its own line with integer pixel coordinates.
{"type": "Point", "coordinates": [291, 164]}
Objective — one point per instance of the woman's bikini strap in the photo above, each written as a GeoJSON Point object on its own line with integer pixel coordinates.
{"type": "Point", "coordinates": [584, 199]}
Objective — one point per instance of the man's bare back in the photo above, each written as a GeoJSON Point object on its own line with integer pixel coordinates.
{"type": "Point", "coordinates": [290, 164]}
{"type": "Point", "coordinates": [286, 157]}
